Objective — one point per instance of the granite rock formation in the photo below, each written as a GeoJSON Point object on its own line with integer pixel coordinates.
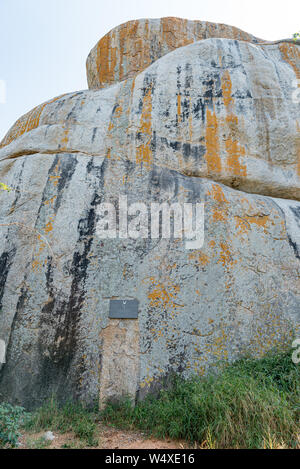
{"type": "Point", "coordinates": [178, 112]}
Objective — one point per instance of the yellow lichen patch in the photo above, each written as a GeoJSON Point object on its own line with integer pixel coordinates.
{"type": "Point", "coordinates": [270, 331]}
{"type": "Point", "coordinates": [129, 42]}
{"type": "Point", "coordinates": [36, 263]}
{"type": "Point", "coordinates": [49, 227]}
{"type": "Point", "coordinates": [118, 111]}
{"type": "Point", "coordinates": [65, 139]}
{"type": "Point", "coordinates": [50, 202]}
{"type": "Point", "coordinates": [233, 149]}
{"type": "Point", "coordinates": [179, 107]}
{"type": "Point", "coordinates": [242, 225]}
{"type": "Point", "coordinates": [162, 295]}
{"type": "Point", "coordinates": [260, 221]}
{"type": "Point", "coordinates": [144, 155]}
{"type": "Point", "coordinates": [144, 152]}
{"type": "Point", "coordinates": [54, 178]}
{"type": "Point", "coordinates": [212, 154]}
{"type": "Point", "coordinates": [26, 123]}
{"type": "Point", "coordinates": [219, 215]}
{"type": "Point", "coordinates": [226, 88]}
{"type": "Point", "coordinates": [226, 258]}
{"type": "Point", "coordinates": [220, 209]}
{"type": "Point", "coordinates": [174, 33]}
{"type": "Point", "coordinates": [218, 194]}
{"type": "Point", "coordinates": [199, 257]}
{"type": "Point", "coordinates": [106, 60]}
{"type": "Point", "coordinates": [212, 244]}
{"type": "Point", "coordinates": [219, 345]}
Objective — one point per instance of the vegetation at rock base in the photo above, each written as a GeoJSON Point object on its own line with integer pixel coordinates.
{"type": "Point", "coordinates": [11, 420]}
{"type": "Point", "coordinates": [71, 417]}
{"type": "Point", "coordinates": [250, 404]}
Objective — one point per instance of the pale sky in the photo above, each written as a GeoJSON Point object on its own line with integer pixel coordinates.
{"type": "Point", "coordinates": [44, 43]}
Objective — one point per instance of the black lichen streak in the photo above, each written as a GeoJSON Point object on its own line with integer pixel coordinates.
{"type": "Point", "coordinates": [63, 316]}
{"type": "Point", "coordinates": [6, 259]}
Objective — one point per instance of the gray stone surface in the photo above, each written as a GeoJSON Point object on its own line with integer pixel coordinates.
{"type": "Point", "coordinates": [211, 122]}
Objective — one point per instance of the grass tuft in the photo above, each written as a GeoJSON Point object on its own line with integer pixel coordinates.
{"type": "Point", "coordinates": [71, 417]}
{"type": "Point", "coordinates": [252, 403]}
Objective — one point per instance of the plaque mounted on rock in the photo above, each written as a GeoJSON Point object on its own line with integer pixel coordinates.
{"type": "Point", "coordinates": [123, 309]}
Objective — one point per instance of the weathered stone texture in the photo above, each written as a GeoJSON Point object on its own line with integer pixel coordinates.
{"type": "Point", "coordinates": [212, 122]}
{"type": "Point", "coordinates": [120, 363]}
{"type": "Point", "coordinates": [133, 46]}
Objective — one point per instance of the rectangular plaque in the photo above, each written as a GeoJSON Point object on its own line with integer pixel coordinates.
{"type": "Point", "coordinates": [123, 309]}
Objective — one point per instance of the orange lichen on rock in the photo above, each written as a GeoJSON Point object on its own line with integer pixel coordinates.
{"type": "Point", "coordinates": [106, 59]}
{"type": "Point", "coordinates": [26, 123]}
{"type": "Point", "coordinates": [218, 194]}
{"type": "Point", "coordinates": [199, 257]}
{"type": "Point", "coordinates": [179, 107]}
{"type": "Point", "coordinates": [212, 155]}
{"type": "Point", "coordinates": [260, 221]}
{"type": "Point", "coordinates": [226, 258]}
{"type": "Point", "coordinates": [175, 33]}
{"type": "Point", "coordinates": [233, 149]}
{"type": "Point", "coordinates": [219, 209]}
{"type": "Point", "coordinates": [161, 295]}
{"type": "Point", "coordinates": [133, 46]}
{"type": "Point", "coordinates": [243, 224]}
{"type": "Point", "coordinates": [144, 152]}
{"type": "Point", "coordinates": [127, 38]}
{"type": "Point", "coordinates": [227, 89]}
{"type": "Point", "coordinates": [291, 54]}
{"type": "Point", "coordinates": [65, 139]}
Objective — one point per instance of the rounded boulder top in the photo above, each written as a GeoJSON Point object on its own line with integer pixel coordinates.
{"type": "Point", "coordinates": [131, 47]}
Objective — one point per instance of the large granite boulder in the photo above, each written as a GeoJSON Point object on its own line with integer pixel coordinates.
{"type": "Point", "coordinates": [211, 121]}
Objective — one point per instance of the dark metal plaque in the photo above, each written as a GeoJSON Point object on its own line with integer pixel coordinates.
{"type": "Point", "coordinates": [123, 309]}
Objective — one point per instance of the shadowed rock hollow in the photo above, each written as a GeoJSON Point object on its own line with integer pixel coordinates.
{"type": "Point", "coordinates": [177, 111]}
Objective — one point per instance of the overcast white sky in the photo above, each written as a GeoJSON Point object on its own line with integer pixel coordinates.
{"type": "Point", "coordinates": [44, 43]}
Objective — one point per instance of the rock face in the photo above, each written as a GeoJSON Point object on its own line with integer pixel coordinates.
{"type": "Point", "coordinates": [132, 47]}
{"type": "Point", "coordinates": [215, 121]}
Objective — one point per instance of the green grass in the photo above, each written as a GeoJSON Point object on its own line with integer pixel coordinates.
{"type": "Point", "coordinates": [71, 417]}
{"type": "Point", "coordinates": [249, 404]}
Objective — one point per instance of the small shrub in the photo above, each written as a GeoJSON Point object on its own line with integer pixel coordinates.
{"type": "Point", "coordinates": [11, 419]}
{"type": "Point", "coordinates": [296, 36]}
